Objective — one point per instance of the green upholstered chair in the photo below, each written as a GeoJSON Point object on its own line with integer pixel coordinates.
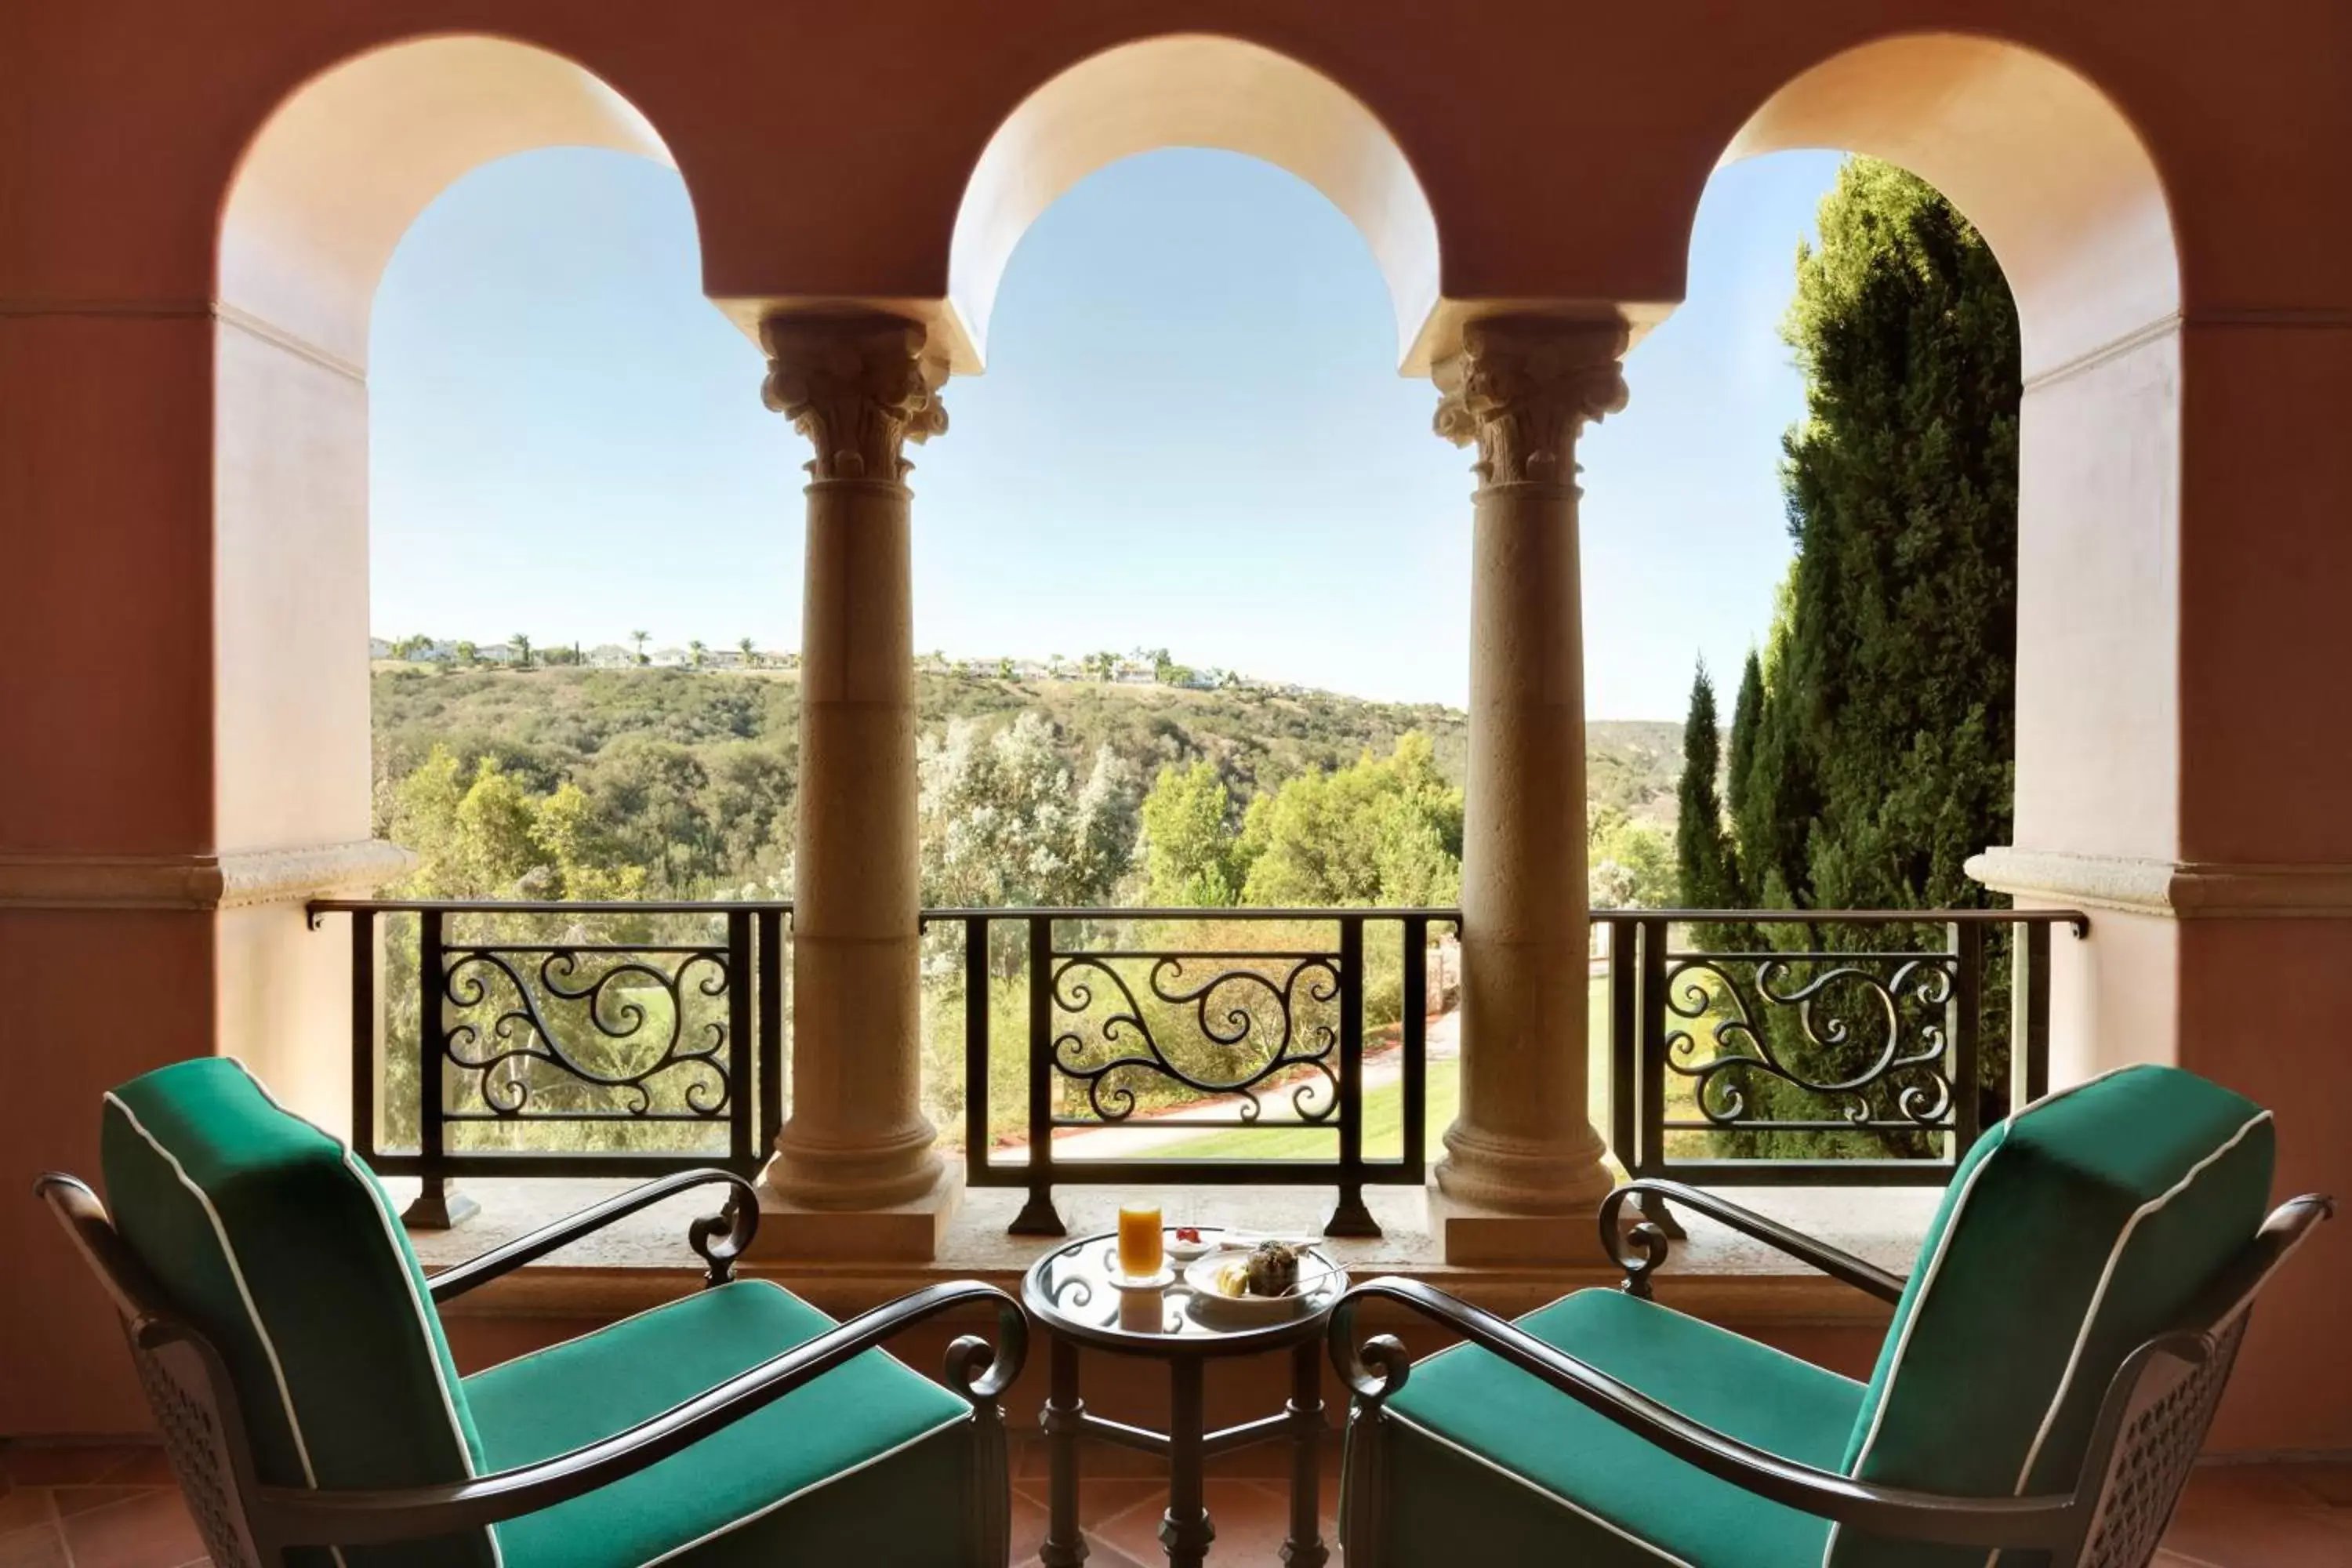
{"type": "Point", "coordinates": [291, 1349]}
{"type": "Point", "coordinates": [2048, 1377]}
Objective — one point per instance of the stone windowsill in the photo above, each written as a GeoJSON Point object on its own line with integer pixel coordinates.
{"type": "Point", "coordinates": [644, 1258]}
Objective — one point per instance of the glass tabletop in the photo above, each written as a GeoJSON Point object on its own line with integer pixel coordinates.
{"type": "Point", "coordinates": [1079, 1287]}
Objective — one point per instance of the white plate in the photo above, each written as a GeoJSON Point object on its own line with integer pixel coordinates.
{"type": "Point", "coordinates": [1200, 1274]}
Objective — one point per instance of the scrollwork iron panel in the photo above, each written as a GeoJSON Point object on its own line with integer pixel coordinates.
{"type": "Point", "coordinates": [587, 1032]}
{"type": "Point", "coordinates": [1216, 1024]}
{"type": "Point", "coordinates": [1866, 1037]}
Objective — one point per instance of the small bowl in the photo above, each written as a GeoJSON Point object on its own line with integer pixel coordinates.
{"type": "Point", "coordinates": [1185, 1251]}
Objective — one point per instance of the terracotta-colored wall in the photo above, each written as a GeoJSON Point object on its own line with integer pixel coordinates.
{"type": "Point", "coordinates": [97, 998]}
{"type": "Point", "coordinates": [2261, 1011]}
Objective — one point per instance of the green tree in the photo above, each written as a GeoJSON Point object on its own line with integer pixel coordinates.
{"type": "Point", "coordinates": [1193, 853]}
{"type": "Point", "coordinates": [1629, 864]}
{"type": "Point", "coordinates": [1874, 749]}
{"type": "Point", "coordinates": [1883, 723]}
{"type": "Point", "coordinates": [1382, 831]}
{"type": "Point", "coordinates": [1747, 713]}
{"type": "Point", "coordinates": [466, 652]}
{"type": "Point", "coordinates": [639, 638]}
{"type": "Point", "coordinates": [1703, 862]}
{"type": "Point", "coordinates": [750, 651]}
{"type": "Point", "coordinates": [695, 650]}
{"type": "Point", "coordinates": [1001, 822]}
{"type": "Point", "coordinates": [521, 646]}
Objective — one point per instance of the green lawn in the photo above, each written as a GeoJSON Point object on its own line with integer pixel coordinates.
{"type": "Point", "coordinates": [1384, 1114]}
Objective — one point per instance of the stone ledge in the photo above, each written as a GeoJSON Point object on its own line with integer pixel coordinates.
{"type": "Point", "coordinates": [2181, 890]}
{"type": "Point", "coordinates": [232, 879]}
{"type": "Point", "coordinates": [1718, 1273]}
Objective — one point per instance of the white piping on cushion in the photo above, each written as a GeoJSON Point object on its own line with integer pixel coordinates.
{"type": "Point", "coordinates": [407, 1279]}
{"type": "Point", "coordinates": [2107, 1278]}
{"type": "Point", "coordinates": [244, 1292]}
{"type": "Point", "coordinates": [1542, 1491]}
{"type": "Point", "coordinates": [1903, 1340]}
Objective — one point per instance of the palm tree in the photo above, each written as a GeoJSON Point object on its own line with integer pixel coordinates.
{"type": "Point", "coordinates": [639, 638]}
{"type": "Point", "coordinates": [694, 646]}
{"type": "Point", "coordinates": [521, 644]}
{"type": "Point", "coordinates": [751, 657]}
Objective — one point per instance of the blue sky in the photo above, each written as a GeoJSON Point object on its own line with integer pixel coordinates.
{"type": "Point", "coordinates": [1191, 434]}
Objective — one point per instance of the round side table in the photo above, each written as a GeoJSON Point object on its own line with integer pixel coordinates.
{"type": "Point", "coordinates": [1073, 1294]}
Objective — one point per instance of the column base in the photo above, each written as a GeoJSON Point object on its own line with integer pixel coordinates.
{"type": "Point", "coordinates": [910, 1232]}
{"type": "Point", "coordinates": [1477, 1234]}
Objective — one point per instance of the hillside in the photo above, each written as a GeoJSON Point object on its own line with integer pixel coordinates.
{"type": "Point", "coordinates": [693, 771]}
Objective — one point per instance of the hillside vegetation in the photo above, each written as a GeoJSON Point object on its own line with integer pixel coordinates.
{"type": "Point", "coordinates": [689, 775]}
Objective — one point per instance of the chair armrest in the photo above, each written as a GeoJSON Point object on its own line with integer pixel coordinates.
{"type": "Point", "coordinates": [298, 1516]}
{"type": "Point", "coordinates": [1650, 1241]}
{"type": "Point", "coordinates": [719, 1238]}
{"type": "Point", "coordinates": [1378, 1367]}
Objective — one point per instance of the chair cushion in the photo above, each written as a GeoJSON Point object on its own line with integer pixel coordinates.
{"type": "Point", "coordinates": [1485, 1455]}
{"type": "Point", "coordinates": [869, 1453]}
{"type": "Point", "coordinates": [278, 1246]}
{"type": "Point", "coordinates": [2074, 1231]}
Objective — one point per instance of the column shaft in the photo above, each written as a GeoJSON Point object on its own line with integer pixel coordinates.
{"type": "Point", "coordinates": [1522, 1143]}
{"type": "Point", "coordinates": [856, 1139]}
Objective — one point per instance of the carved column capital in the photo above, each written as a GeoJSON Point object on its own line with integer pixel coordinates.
{"type": "Point", "coordinates": [1522, 387]}
{"type": "Point", "coordinates": [859, 387]}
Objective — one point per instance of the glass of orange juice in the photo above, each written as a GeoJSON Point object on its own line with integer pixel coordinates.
{"type": "Point", "coordinates": [1140, 1251]}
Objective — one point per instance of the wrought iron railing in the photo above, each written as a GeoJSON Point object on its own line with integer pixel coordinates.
{"type": "Point", "coordinates": [628, 1039]}
{"type": "Point", "coordinates": [1821, 1046]}
{"type": "Point", "coordinates": [1120, 1011]}
{"type": "Point", "coordinates": [1739, 1047]}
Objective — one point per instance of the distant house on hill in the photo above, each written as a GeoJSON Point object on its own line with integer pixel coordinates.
{"type": "Point", "coordinates": [610, 656]}
{"type": "Point", "coordinates": [379, 647]}
{"type": "Point", "coordinates": [671, 658]}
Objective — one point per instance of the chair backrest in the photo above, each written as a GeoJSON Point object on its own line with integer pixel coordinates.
{"type": "Point", "coordinates": [276, 1243]}
{"type": "Point", "coordinates": [2080, 1227]}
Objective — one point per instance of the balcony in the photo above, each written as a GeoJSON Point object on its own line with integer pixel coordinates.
{"type": "Point", "coordinates": [1309, 1057]}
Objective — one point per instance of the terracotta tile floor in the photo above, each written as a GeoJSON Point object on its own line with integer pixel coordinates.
{"type": "Point", "coordinates": [111, 1507]}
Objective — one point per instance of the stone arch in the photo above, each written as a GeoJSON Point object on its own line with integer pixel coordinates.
{"type": "Point", "coordinates": [2042, 161]}
{"type": "Point", "coordinates": [2063, 188]}
{"type": "Point", "coordinates": [346, 163]}
{"type": "Point", "coordinates": [325, 191]}
{"type": "Point", "coordinates": [1195, 90]}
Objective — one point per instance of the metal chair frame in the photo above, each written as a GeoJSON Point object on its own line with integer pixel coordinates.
{"type": "Point", "coordinates": [2152, 1421]}
{"type": "Point", "coordinates": [248, 1523]}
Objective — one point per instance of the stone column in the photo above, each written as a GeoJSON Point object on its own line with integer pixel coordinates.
{"type": "Point", "coordinates": [1522, 1154]}
{"type": "Point", "coordinates": [855, 1174]}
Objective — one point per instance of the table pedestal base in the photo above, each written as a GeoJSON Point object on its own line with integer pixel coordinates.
{"type": "Point", "coordinates": [1186, 1531]}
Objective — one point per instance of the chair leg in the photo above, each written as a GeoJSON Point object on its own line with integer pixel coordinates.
{"type": "Point", "coordinates": [1363, 1487]}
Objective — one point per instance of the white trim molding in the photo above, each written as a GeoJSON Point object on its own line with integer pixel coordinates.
{"type": "Point", "coordinates": [2175, 890]}
{"type": "Point", "coordinates": [234, 879]}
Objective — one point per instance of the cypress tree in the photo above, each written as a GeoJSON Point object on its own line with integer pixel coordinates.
{"type": "Point", "coordinates": [1702, 856]}
{"type": "Point", "coordinates": [1747, 717]}
{"type": "Point", "coordinates": [1898, 676]}
{"type": "Point", "coordinates": [1874, 740]}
